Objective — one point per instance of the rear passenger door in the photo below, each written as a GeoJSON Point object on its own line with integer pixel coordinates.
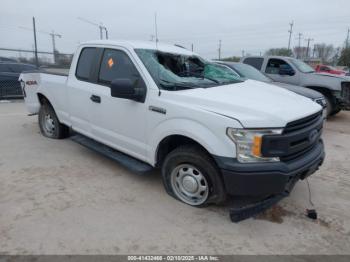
{"type": "Point", "coordinates": [79, 88]}
{"type": "Point", "coordinates": [117, 122]}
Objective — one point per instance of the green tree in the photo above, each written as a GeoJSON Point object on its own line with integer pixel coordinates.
{"type": "Point", "coordinates": [279, 52]}
{"type": "Point", "coordinates": [344, 59]}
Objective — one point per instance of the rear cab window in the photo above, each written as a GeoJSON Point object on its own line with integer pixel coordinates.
{"type": "Point", "coordinates": [256, 62]}
{"type": "Point", "coordinates": [86, 63]}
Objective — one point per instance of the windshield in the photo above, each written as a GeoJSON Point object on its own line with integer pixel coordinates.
{"type": "Point", "coordinates": [177, 71]}
{"type": "Point", "coordinates": [250, 72]}
{"type": "Point", "coordinates": [302, 67]}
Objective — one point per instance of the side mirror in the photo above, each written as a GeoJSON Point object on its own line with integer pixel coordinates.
{"type": "Point", "coordinates": [286, 71]}
{"type": "Point", "coordinates": [124, 88]}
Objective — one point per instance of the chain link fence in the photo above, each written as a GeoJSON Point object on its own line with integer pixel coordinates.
{"type": "Point", "coordinates": [15, 61]}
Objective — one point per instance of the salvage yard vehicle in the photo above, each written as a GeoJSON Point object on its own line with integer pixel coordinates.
{"type": "Point", "coordinates": [289, 70]}
{"type": "Point", "coordinates": [249, 72]}
{"type": "Point", "coordinates": [329, 70]}
{"type": "Point", "coordinates": [151, 105]}
{"type": "Point", "coordinates": [9, 72]}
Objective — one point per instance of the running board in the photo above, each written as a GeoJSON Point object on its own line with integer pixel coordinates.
{"type": "Point", "coordinates": [121, 158]}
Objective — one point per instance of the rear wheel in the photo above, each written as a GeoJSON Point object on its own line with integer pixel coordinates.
{"type": "Point", "coordinates": [191, 176]}
{"type": "Point", "coordinates": [49, 123]}
{"type": "Point", "coordinates": [330, 106]}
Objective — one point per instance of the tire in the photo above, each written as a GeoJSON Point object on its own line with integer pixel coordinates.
{"type": "Point", "coordinates": [330, 106]}
{"type": "Point", "coordinates": [335, 111]}
{"type": "Point", "coordinates": [190, 175]}
{"type": "Point", "coordinates": [49, 124]}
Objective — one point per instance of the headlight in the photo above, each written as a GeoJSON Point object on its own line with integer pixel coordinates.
{"type": "Point", "coordinates": [248, 144]}
{"type": "Point", "coordinates": [321, 101]}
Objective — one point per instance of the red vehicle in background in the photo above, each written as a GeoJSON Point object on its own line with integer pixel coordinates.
{"type": "Point", "coordinates": [329, 69]}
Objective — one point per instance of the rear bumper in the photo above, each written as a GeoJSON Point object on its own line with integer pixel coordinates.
{"type": "Point", "coordinates": [266, 179]}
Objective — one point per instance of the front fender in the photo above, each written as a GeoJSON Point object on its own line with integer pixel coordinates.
{"type": "Point", "coordinates": [215, 142]}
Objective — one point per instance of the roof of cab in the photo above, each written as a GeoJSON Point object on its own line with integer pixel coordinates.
{"type": "Point", "coordinates": [132, 44]}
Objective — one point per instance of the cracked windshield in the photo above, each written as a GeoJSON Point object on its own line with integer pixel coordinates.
{"type": "Point", "coordinates": [178, 71]}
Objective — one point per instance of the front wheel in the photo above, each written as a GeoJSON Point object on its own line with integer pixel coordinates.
{"type": "Point", "coordinates": [49, 123]}
{"type": "Point", "coordinates": [191, 176]}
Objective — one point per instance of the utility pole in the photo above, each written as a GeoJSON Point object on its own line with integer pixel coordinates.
{"type": "Point", "coordinates": [192, 47]}
{"type": "Point", "coordinates": [100, 26]}
{"type": "Point", "coordinates": [219, 49]}
{"type": "Point", "coordinates": [308, 46]}
{"type": "Point", "coordinates": [347, 39]}
{"type": "Point", "coordinates": [156, 27]}
{"type": "Point", "coordinates": [53, 35]}
{"type": "Point", "coordinates": [290, 33]}
{"type": "Point", "coordinates": [53, 38]}
{"type": "Point", "coordinates": [35, 44]}
{"type": "Point", "coordinates": [300, 35]}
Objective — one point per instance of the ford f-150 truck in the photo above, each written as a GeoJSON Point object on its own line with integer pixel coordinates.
{"type": "Point", "coordinates": [149, 105]}
{"type": "Point", "coordinates": [289, 70]}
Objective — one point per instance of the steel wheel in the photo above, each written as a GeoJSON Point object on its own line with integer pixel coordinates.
{"type": "Point", "coordinates": [49, 124]}
{"type": "Point", "coordinates": [189, 184]}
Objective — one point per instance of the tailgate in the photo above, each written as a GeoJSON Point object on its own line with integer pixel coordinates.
{"type": "Point", "coordinates": [30, 83]}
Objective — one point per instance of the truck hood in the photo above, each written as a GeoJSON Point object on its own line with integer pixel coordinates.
{"type": "Point", "coordinates": [254, 104]}
{"type": "Point", "coordinates": [307, 92]}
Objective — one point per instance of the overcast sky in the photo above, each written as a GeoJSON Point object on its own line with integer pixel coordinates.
{"type": "Point", "coordinates": [250, 25]}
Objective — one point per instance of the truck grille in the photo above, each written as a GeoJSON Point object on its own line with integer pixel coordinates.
{"type": "Point", "coordinates": [302, 123]}
{"type": "Point", "coordinates": [298, 138]}
{"type": "Point", "coordinates": [345, 92]}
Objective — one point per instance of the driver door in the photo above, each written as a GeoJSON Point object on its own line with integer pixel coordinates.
{"type": "Point", "coordinates": [273, 67]}
{"type": "Point", "coordinates": [117, 122]}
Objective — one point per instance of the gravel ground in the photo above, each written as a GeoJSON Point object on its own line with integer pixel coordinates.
{"type": "Point", "coordinates": [57, 197]}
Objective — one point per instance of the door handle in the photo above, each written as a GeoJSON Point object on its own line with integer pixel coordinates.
{"type": "Point", "coordinates": [95, 99]}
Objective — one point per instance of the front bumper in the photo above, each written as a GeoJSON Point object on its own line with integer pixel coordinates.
{"type": "Point", "coordinates": [266, 179]}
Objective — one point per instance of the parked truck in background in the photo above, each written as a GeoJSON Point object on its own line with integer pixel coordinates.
{"type": "Point", "coordinates": [289, 70]}
{"type": "Point", "coordinates": [249, 72]}
{"type": "Point", "coordinates": [329, 70]}
{"type": "Point", "coordinates": [160, 106]}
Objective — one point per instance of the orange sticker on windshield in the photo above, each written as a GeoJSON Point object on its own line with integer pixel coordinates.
{"type": "Point", "coordinates": [110, 62]}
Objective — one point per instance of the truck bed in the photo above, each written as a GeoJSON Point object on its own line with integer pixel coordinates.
{"type": "Point", "coordinates": [50, 83]}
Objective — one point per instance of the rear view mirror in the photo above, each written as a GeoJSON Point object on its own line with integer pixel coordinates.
{"type": "Point", "coordinates": [124, 88]}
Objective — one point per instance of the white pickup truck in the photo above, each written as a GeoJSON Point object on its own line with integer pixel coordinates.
{"type": "Point", "coordinates": [161, 106]}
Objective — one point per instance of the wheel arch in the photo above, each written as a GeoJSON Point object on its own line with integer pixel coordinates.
{"type": "Point", "coordinates": [171, 142]}
{"type": "Point", "coordinates": [171, 134]}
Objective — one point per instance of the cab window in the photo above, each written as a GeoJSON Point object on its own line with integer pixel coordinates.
{"type": "Point", "coordinates": [86, 62]}
{"type": "Point", "coordinates": [254, 61]}
{"type": "Point", "coordinates": [274, 65]}
{"type": "Point", "coordinates": [116, 64]}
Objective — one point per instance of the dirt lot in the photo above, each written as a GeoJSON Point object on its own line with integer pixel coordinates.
{"type": "Point", "coordinates": [56, 197]}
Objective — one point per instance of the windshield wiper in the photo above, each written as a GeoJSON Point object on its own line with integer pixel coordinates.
{"type": "Point", "coordinates": [176, 85]}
